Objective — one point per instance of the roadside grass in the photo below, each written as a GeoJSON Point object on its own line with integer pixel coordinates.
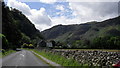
{"type": "Point", "coordinates": [5, 53]}
{"type": "Point", "coordinates": [44, 61]}
{"type": "Point", "coordinates": [58, 58]}
{"type": "Point", "coordinates": [0, 54]}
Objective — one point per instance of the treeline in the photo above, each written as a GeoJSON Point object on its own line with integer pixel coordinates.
{"type": "Point", "coordinates": [107, 42]}
{"type": "Point", "coordinates": [17, 29]}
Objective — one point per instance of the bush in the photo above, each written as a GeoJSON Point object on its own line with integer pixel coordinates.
{"type": "Point", "coordinates": [5, 43]}
{"type": "Point", "coordinates": [109, 42]}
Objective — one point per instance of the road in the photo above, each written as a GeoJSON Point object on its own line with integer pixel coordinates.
{"type": "Point", "coordinates": [22, 58]}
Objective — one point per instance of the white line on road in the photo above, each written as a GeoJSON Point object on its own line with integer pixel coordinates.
{"type": "Point", "coordinates": [22, 55]}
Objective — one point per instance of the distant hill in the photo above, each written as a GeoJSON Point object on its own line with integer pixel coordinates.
{"type": "Point", "coordinates": [86, 31]}
{"type": "Point", "coordinates": [17, 28]}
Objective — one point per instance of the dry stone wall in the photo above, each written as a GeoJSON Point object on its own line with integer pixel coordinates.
{"type": "Point", "coordinates": [91, 58]}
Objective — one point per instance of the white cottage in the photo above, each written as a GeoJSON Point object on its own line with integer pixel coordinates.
{"type": "Point", "coordinates": [49, 44]}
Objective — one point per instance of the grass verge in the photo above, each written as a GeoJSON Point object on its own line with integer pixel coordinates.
{"type": "Point", "coordinates": [58, 58]}
{"type": "Point", "coordinates": [51, 66]}
{"type": "Point", "coordinates": [0, 54]}
{"type": "Point", "coordinates": [5, 53]}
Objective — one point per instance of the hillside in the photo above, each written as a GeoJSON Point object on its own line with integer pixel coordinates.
{"type": "Point", "coordinates": [87, 31]}
{"type": "Point", "coordinates": [17, 29]}
{"type": "Point", "coordinates": [84, 31]}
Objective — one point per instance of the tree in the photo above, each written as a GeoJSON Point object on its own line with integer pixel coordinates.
{"type": "Point", "coordinates": [53, 43]}
{"type": "Point", "coordinates": [4, 42]}
{"type": "Point", "coordinates": [107, 42]}
{"type": "Point", "coordinates": [25, 39]}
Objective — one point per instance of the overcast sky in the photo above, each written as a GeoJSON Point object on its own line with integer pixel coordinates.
{"type": "Point", "coordinates": [47, 13]}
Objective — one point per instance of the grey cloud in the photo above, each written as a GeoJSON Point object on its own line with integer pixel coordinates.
{"type": "Point", "coordinates": [95, 11]}
{"type": "Point", "coordinates": [102, 8]}
{"type": "Point", "coordinates": [42, 20]}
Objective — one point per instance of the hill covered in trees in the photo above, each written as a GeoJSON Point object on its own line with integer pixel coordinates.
{"type": "Point", "coordinates": [105, 34]}
{"type": "Point", "coordinates": [17, 29]}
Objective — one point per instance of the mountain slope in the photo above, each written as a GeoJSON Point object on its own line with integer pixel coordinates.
{"type": "Point", "coordinates": [88, 31]}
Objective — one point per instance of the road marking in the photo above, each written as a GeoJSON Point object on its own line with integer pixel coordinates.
{"type": "Point", "coordinates": [22, 55]}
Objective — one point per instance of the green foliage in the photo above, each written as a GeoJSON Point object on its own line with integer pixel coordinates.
{"type": "Point", "coordinates": [9, 29]}
{"type": "Point", "coordinates": [119, 27]}
{"type": "Point", "coordinates": [80, 44]}
{"type": "Point", "coordinates": [109, 42]}
{"type": "Point", "coordinates": [7, 52]}
{"type": "Point", "coordinates": [4, 41]}
{"type": "Point", "coordinates": [106, 42]}
{"type": "Point", "coordinates": [62, 45]}
{"type": "Point", "coordinates": [25, 39]}
{"type": "Point", "coordinates": [25, 45]}
{"type": "Point", "coordinates": [1, 35]}
{"type": "Point", "coordinates": [76, 44]}
{"type": "Point", "coordinates": [114, 42]}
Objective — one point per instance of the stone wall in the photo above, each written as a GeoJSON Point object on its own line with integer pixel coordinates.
{"type": "Point", "coordinates": [92, 58]}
